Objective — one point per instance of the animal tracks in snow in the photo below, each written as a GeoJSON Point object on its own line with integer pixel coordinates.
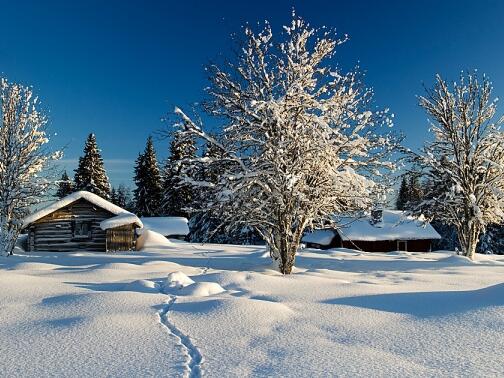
{"type": "Point", "coordinates": [193, 355]}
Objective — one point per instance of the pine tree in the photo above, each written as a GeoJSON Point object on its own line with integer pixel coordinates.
{"type": "Point", "coordinates": [90, 175]}
{"type": "Point", "coordinates": [178, 196]}
{"type": "Point", "coordinates": [121, 197]}
{"type": "Point", "coordinates": [415, 191]}
{"type": "Point", "coordinates": [204, 223]}
{"type": "Point", "coordinates": [410, 192]}
{"type": "Point", "coordinates": [402, 198]}
{"type": "Point", "coordinates": [65, 186]}
{"type": "Point", "coordinates": [113, 196]}
{"type": "Point", "coordinates": [148, 182]}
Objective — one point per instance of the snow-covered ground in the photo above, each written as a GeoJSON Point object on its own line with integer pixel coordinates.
{"type": "Point", "coordinates": [341, 313]}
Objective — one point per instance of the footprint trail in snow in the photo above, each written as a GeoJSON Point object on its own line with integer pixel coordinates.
{"type": "Point", "coordinates": [193, 355]}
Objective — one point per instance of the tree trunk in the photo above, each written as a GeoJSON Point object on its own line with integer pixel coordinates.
{"type": "Point", "coordinates": [287, 248]}
{"type": "Point", "coordinates": [8, 237]}
{"type": "Point", "coordinates": [287, 258]}
{"type": "Point", "coordinates": [468, 238]}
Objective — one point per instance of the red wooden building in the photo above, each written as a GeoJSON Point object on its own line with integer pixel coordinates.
{"type": "Point", "coordinates": [394, 231]}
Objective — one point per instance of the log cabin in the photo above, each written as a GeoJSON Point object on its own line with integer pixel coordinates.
{"type": "Point", "coordinates": [81, 221]}
{"type": "Point", "coordinates": [385, 231]}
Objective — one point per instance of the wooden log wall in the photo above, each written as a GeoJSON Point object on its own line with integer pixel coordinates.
{"type": "Point", "coordinates": [121, 238]}
{"type": "Point", "coordinates": [55, 232]}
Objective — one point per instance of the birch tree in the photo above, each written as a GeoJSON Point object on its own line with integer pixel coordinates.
{"type": "Point", "coordinates": [464, 163]}
{"type": "Point", "coordinates": [300, 138]}
{"type": "Point", "coordinates": [23, 159]}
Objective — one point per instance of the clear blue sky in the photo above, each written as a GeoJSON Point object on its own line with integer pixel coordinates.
{"type": "Point", "coordinates": [116, 68]}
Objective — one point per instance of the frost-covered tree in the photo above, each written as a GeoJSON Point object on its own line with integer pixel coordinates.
{"type": "Point", "coordinates": [299, 139]}
{"type": "Point", "coordinates": [24, 159]}
{"type": "Point", "coordinates": [465, 162]}
{"type": "Point", "coordinates": [178, 195]}
{"type": "Point", "coordinates": [147, 194]}
{"type": "Point", "coordinates": [492, 241]}
{"type": "Point", "coordinates": [65, 186]}
{"type": "Point", "coordinates": [90, 174]}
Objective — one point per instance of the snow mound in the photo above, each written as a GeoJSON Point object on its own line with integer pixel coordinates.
{"type": "Point", "coordinates": [457, 260]}
{"type": "Point", "coordinates": [35, 266]}
{"type": "Point", "coordinates": [118, 266]}
{"type": "Point", "coordinates": [202, 289]}
{"type": "Point", "coordinates": [150, 239]}
{"type": "Point", "coordinates": [177, 280]}
{"type": "Point", "coordinates": [142, 286]}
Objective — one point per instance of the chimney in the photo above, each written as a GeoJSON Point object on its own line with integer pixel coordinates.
{"type": "Point", "coordinates": [376, 215]}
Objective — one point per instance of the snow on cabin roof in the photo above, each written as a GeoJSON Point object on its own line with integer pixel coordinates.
{"type": "Point", "coordinates": [396, 225]}
{"type": "Point", "coordinates": [321, 237]}
{"type": "Point", "coordinates": [65, 201]}
{"type": "Point", "coordinates": [165, 225]}
{"type": "Point", "coordinates": [122, 219]}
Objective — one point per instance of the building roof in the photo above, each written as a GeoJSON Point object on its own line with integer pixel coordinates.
{"type": "Point", "coordinates": [71, 198]}
{"type": "Point", "coordinates": [396, 225]}
{"type": "Point", "coordinates": [119, 220]}
{"type": "Point", "coordinates": [166, 225]}
{"type": "Point", "coordinates": [320, 237]}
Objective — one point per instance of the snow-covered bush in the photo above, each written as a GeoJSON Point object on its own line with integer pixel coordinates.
{"type": "Point", "coordinates": [464, 164]}
{"type": "Point", "coordinates": [23, 159]}
{"type": "Point", "coordinates": [299, 140]}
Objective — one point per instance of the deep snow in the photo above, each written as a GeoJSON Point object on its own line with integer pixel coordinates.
{"type": "Point", "coordinates": [178, 309]}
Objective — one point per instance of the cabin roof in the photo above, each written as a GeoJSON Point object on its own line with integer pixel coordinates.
{"type": "Point", "coordinates": [119, 220]}
{"type": "Point", "coordinates": [396, 225]}
{"type": "Point", "coordinates": [321, 237]}
{"type": "Point", "coordinates": [71, 198]}
{"type": "Point", "coordinates": [166, 225]}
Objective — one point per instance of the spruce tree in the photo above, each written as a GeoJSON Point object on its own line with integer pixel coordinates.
{"type": "Point", "coordinates": [65, 186]}
{"type": "Point", "coordinates": [90, 175]}
{"type": "Point", "coordinates": [148, 191]}
{"type": "Point", "coordinates": [410, 192]}
{"type": "Point", "coordinates": [121, 197]}
{"type": "Point", "coordinates": [402, 197]}
{"type": "Point", "coordinates": [178, 196]}
{"type": "Point", "coordinates": [113, 196]}
{"type": "Point", "coordinates": [415, 191]}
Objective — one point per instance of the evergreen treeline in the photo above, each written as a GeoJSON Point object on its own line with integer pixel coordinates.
{"type": "Point", "coordinates": [168, 192]}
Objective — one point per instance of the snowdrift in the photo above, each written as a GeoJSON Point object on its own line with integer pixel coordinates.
{"type": "Point", "coordinates": [152, 240]}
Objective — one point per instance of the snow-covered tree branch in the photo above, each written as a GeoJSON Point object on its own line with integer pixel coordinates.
{"type": "Point", "coordinates": [300, 141]}
{"type": "Point", "coordinates": [23, 159]}
{"type": "Point", "coordinates": [464, 164]}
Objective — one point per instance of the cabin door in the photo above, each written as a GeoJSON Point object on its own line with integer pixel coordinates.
{"type": "Point", "coordinates": [402, 245]}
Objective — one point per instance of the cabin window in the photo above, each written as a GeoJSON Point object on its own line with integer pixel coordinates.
{"type": "Point", "coordinates": [82, 230]}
